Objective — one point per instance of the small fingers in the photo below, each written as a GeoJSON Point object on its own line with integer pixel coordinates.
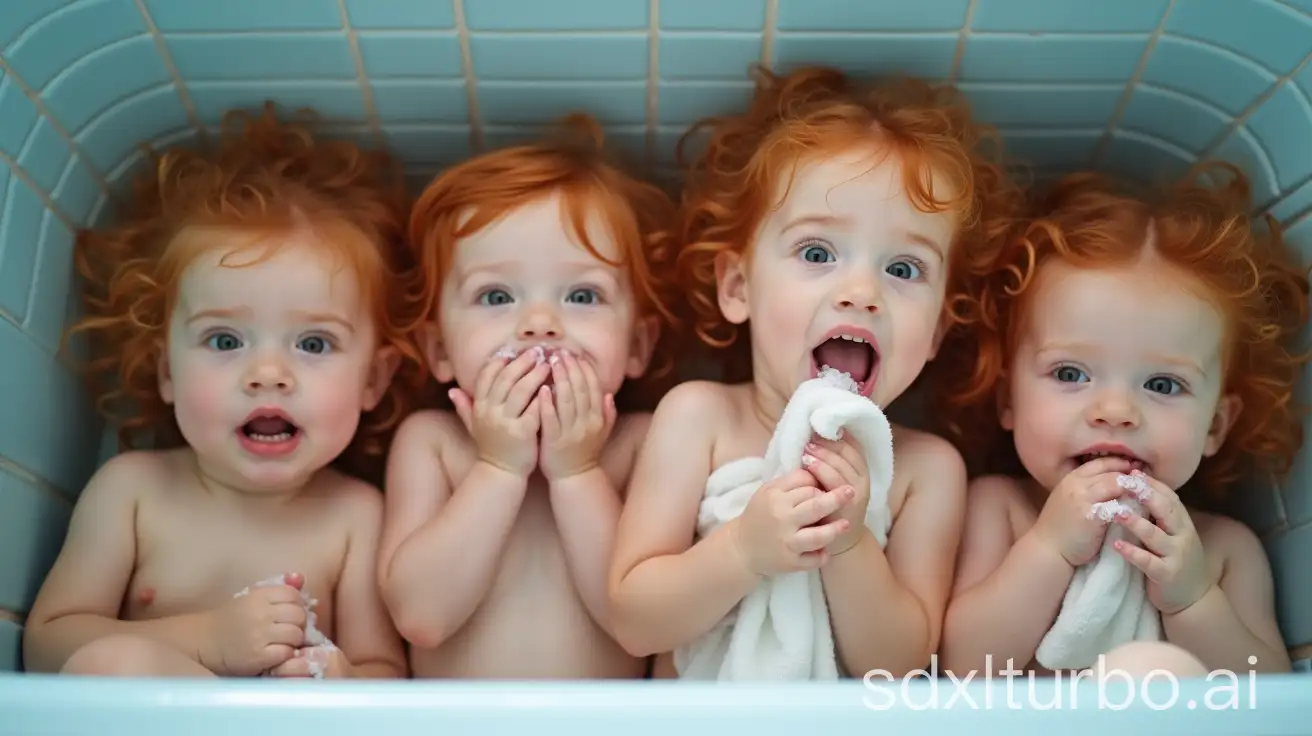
{"type": "Point", "coordinates": [815, 538]}
{"type": "Point", "coordinates": [290, 635]}
{"type": "Point", "coordinates": [588, 387]}
{"type": "Point", "coordinates": [1107, 464]}
{"type": "Point", "coordinates": [463, 406]}
{"type": "Point", "coordinates": [609, 412]}
{"type": "Point", "coordinates": [1149, 533]}
{"type": "Point", "coordinates": [821, 505]}
{"type": "Point", "coordinates": [488, 375]}
{"type": "Point", "coordinates": [566, 396]}
{"type": "Point", "coordinates": [296, 666]}
{"type": "Point", "coordinates": [510, 376]}
{"type": "Point", "coordinates": [1164, 505]}
{"type": "Point", "coordinates": [824, 470]}
{"type": "Point", "coordinates": [1151, 565]}
{"type": "Point", "coordinates": [290, 613]}
{"type": "Point", "coordinates": [277, 655]}
{"type": "Point", "coordinates": [550, 419]}
{"type": "Point", "coordinates": [525, 390]}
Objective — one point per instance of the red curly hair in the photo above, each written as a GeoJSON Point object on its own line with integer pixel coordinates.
{"type": "Point", "coordinates": [1204, 230]}
{"type": "Point", "coordinates": [263, 177]}
{"type": "Point", "coordinates": [819, 111]}
{"type": "Point", "coordinates": [573, 163]}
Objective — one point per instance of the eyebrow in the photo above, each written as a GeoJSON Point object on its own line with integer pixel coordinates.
{"type": "Point", "coordinates": [237, 313]}
{"type": "Point", "coordinates": [842, 222]}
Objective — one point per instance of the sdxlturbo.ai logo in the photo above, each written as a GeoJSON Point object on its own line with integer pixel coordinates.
{"type": "Point", "coordinates": [1114, 689]}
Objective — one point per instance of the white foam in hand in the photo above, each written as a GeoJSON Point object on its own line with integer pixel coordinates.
{"type": "Point", "coordinates": [318, 644]}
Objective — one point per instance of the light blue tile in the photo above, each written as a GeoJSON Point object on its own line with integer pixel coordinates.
{"type": "Point", "coordinates": [1304, 5]}
{"type": "Point", "coordinates": [77, 191]}
{"type": "Point", "coordinates": [70, 33]}
{"type": "Point", "coordinates": [1051, 59]}
{"type": "Point", "coordinates": [667, 142]}
{"type": "Point", "coordinates": [928, 56]}
{"type": "Point", "coordinates": [339, 101]}
{"type": "Point", "coordinates": [245, 15]}
{"type": "Point", "coordinates": [18, 17]}
{"type": "Point", "coordinates": [20, 231]}
{"type": "Point", "coordinates": [1243, 150]}
{"type": "Point", "coordinates": [400, 13]}
{"type": "Point", "coordinates": [19, 114]}
{"type": "Point", "coordinates": [1067, 16]}
{"type": "Point", "coordinates": [1217, 76]}
{"type": "Point", "coordinates": [1144, 157]}
{"type": "Point", "coordinates": [11, 646]}
{"type": "Point", "coordinates": [559, 57]}
{"type": "Point", "coordinates": [1258, 507]}
{"type": "Point", "coordinates": [1059, 149]}
{"type": "Point", "coordinates": [721, 15]}
{"type": "Point", "coordinates": [576, 15]}
{"type": "Point", "coordinates": [57, 437]}
{"type": "Point", "coordinates": [52, 282]}
{"type": "Point", "coordinates": [45, 155]}
{"type": "Point", "coordinates": [411, 54]}
{"type": "Point", "coordinates": [32, 527]}
{"type": "Point", "coordinates": [263, 56]}
{"type": "Point", "coordinates": [112, 136]}
{"type": "Point", "coordinates": [1283, 125]}
{"type": "Point", "coordinates": [516, 103]}
{"type": "Point", "coordinates": [684, 103]}
{"type": "Point", "coordinates": [871, 15]}
{"type": "Point", "coordinates": [1289, 553]}
{"type": "Point", "coordinates": [101, 78]}
{"type": "Point", "coordinates": [1043, 106]}
{"type": "Point", "coordinates": [1304, 79]}
{"type": "Point", "coordinates": [417, 100]}
{"type": "Point", "coordinates": [1295, 204]}
{"type": "Point", "coordinates": [708, 55]}
{"type": "Point", "coordinates": [426, 144]}
{"type": "Point", "coordinates": [1263, 30]}
{"type": "Point", "coordinates": [1181, 119]}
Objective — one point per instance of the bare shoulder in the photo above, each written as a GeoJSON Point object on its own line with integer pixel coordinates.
{"type": "Point", "coordinates": [138, 475]}
{"type": "Point", "coordinates": [928, 461]}
{"type": "Point", "coordinates": [693, 404]}
{"type": "Point", "coordinates": [1226, 539]}
{"type": "Point", "coordinates": [430, 427]}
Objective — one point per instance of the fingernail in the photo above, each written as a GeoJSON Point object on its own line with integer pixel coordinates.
{"type": "Point", "coordinates": [812, 446]}
{"type": "Point", "coordinates": [807, 460]}
{"type": "Point", "coordinates": [849, 491]}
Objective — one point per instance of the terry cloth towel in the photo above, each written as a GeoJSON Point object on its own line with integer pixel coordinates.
{"type": "Point", "coordinates": [780, 631]}
{"type": "Point", "coordinates": [318, 645]}
{"type": "Point", "coordinates": [1107, 603]}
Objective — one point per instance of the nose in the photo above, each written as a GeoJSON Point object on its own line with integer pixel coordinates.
{"type": "Point", "coordinates": [539, 322]}
{"type": "Point", "coordinates": [1113, 409]}
{"type": "Point", "coordinates": [860, 291]}
{"type": "Point", "coordinates": [268, 372]}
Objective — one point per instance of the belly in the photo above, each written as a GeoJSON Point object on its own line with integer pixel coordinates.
{"type": "Point", "coordinates": [532, 623]}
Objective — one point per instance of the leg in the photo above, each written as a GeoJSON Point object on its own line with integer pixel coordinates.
{"type": "Point", "coordinates": [1139, 658]}
{"type": "Point", "coordinates": [132, 656]}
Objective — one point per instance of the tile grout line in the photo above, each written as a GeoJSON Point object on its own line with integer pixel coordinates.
{"type": "Point", "coordinates": [767, 33]}
{"type": "Point", "coordinates": [653, 79]}
{"type": "Point", "coordinates": [1131, 85]}
{"type": "Point", "coordinates": [42, 485]}
{"type": "Point", "coordinates": [374, 123]}
{"type": "Point", "coordinates": [12, 616]}
{"type": "Point", "coordinates": [179, 85]}
{"type": "Point", "coordinates": [1239, 120]}
{"type": "Point", "coordinates": [73, 146]}
{"type": "Point", "coordinates": [471, 87]}
{"type": "Point", "coordinates": [46, 198]}
{"type": "Point", "coordinates": [960, 51]}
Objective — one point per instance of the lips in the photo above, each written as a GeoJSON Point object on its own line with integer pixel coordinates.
{"type": "Point", "coordinates": [269, 432]}
{"type": "Point", "coordinates": [1110, 450]}
{"type": "Point", "coordinates": [851, 350]}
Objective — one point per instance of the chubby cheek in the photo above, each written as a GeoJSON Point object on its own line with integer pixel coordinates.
{"type": "Point", "coordinates": [1179, 439]}
{"type": "Point", "coordinates": [1040, 421]}
{"type": "Point", "coordinates": [330, 403]}
{"type": "Point", "coordinates": [203, 402]}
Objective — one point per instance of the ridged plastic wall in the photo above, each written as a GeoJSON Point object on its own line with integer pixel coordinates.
{"type": "Point", "coordinates": [1141, 87]}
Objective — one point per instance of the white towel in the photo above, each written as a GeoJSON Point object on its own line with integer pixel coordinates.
{"type": "Point", "coordinates": [780, 631]}
{"type": "Point", "coordinates": [1107, 603]}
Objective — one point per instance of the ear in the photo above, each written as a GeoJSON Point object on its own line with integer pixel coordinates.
{"type": "Point", "coordinates": [165, 373]}
{"type": "Point", "coordinates": [731, 286]}
{"type": "Point", "coordinates": [645, 334]}
{"type": "Point", "coordinates": [1006, 417]}
{"type": "Point", "coordinates": [1227, 411]}
{"type": "Point", "coordinates": [381, 370]}
{"type": "Point", "coordinates": [940, 331]}
{"type": "Point", "coordinates": [430, 337]}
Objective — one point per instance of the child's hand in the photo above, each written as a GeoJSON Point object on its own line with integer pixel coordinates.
{"type": "Point", "coordinates": [783, 528]}
{"type": "Point", "coordinates": [333, 663]}
{"type": "Point", "coordinates": [257, 631]}
{"type": "Point", "coordinates": [1173, 561]}
{"type": "Point", "coordinates": [576, 420]}
{"type": "Point", "coordinates": [840, 465]}
{"type": "Point", "coordinates": [1066, 523]}
{"type": "Point", "coordinates": [503, 415]}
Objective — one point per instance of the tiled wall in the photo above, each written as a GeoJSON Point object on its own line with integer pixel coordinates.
{"type": "Point", "coordinates": [1141, 87]}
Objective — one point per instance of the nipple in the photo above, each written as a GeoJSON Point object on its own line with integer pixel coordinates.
{"type": "Point", "coordinates": [146, 596]}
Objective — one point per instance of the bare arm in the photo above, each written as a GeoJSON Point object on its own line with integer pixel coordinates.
{"type": "Point", "coordinates": [81, 597]}
{"type": "Point", "coordinates": [666, 591]}
{"type": "Point", "coordinates": [440, 551]}
{"type": "Point", "coordinates": [887, 606]}
{"type": "Point", "coordinates": [1236, 618]}
{"type": "Point", "coordinates": [364, 632]}
{"type": "Point", "coordinates": [1007, 594]}
{"type": "Point", "coordinates": [587, 510]}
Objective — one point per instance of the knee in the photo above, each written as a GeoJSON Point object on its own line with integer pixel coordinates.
{"type": "Point", "coordinates": [1140, 658]}
{"type": "Point", "coordinates": [119, 655]}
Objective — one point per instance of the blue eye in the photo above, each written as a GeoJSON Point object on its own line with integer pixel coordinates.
{"type": "Point", "coordinates": [494, 297]}
{"type": "Point", "coordinates": [314, 344]}
{"type": "Point", "coordinates": [583, 296]}
{"type": "Point", "coordinates": [1069, 374]}
{"type": "Point", "coordinates": [1163, 385]}
{"type": "Point", "coordinates": [223, 341]}
{"type": "Point", "coordinates": [904, 269]}
{"type": "Point", "coordinates": [815, 253]}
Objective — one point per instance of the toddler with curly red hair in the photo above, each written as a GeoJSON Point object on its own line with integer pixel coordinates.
{"type": "Point", "coordinates": [1126, 341]}
{"type": "Point", "coordinates": [249, 312]}
{"type": "Point", "coordinates": [549, 287]}
{"type": "Point", "coordinates": [824, 225]}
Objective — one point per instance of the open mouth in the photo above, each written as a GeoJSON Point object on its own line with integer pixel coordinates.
{"type": "Point", "coordinates": [270, 428]}
{"type": "Point", "coordinates": [1122, 453]}
{"type": "Point", "coordinates": [849, 351]}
